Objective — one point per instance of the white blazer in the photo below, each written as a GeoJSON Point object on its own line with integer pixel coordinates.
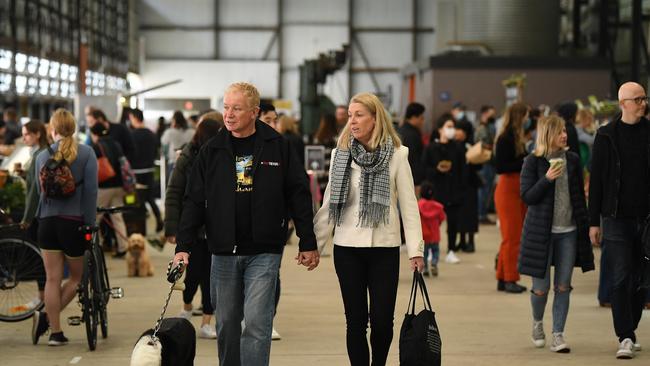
{"type": "Point", "coordinates": [402, 190]}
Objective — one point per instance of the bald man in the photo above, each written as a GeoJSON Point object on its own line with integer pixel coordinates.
{"type": "Point", "coordinates": [619, 195]}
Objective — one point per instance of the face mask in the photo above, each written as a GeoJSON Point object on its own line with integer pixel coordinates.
{"type": "Point", "coordinates": [449, 132]}
{"type": "Point", "coordinates": [491, 120]}
{"type": "Point", "coordinates": [460, 115]}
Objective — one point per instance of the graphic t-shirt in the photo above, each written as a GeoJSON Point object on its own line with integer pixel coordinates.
{"type": "Point", "coordinates": [243, 149]}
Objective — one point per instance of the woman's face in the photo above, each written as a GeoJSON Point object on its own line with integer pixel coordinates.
{"type": "Point", "coordinates": [30, 139]}
{"type": "Point", "coordinates": [559, 142]}
{"type": "Point", "coordinates": [447, 131]}
{"type": "Point", "coordinates": [361, 122]}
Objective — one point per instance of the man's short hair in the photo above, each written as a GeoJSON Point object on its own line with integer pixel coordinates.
{"type": "Point", "coordinates": [486, 108]}
{"type": "Point", "coordinates": [98, 114]}
{"type": "Point", "coordinates": [137, 114]}
{"type": "Point", "coordinates": [414, 109]}
{"type": "Point", "coordinates": [266, 107]}
{"type": "Point", "coordinates": [249, 91]}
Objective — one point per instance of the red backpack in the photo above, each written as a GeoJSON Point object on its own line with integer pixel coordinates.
{"type": "Point", "coordinates": [56, 178]}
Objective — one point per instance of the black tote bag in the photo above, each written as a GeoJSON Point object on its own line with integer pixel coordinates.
{"type": "Point", "coordinates": [419, 340]}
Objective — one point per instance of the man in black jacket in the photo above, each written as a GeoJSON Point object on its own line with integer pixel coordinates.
{"type": "Point", "coordinates": [243, 186]}
{"type": "Point", "coordinates": [411, 134]}
{"type": "Point", "coordinates": [619, 194]}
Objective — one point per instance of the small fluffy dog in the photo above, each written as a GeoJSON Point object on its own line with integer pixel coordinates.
{"type": "Point", "coordinates": [137, 258]}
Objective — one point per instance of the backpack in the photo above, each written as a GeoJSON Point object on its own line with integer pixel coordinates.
{"type": "Point", "coordinates": [56, 178]}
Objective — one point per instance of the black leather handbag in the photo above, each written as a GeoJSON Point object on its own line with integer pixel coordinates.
{"type": "Point", "coordinates": [419, 341]}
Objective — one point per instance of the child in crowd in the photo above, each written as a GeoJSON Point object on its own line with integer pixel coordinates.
{"type": "Point", "coordinates": [432, 215]}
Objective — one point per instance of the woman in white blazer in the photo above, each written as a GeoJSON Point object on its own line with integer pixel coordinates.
{"type": "Point", "coordinates": [369, 175]}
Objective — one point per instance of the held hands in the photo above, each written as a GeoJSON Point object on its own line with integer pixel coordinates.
{"type": "Point", "coordinates": [417, 263]}
{"type": "Point", "coordinates": [308, 259]}
{"type": "Point", "coordinates": [444, 166]}
{"type": "Point", "coordinates": [594, 236]}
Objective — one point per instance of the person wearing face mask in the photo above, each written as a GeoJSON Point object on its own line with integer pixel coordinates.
{"type": "Point", "coordinates": [444, 163]}
{"type": "Point", "coordinates": [485, 133]}
{"type": "Point", "coordinates": [510, 151]}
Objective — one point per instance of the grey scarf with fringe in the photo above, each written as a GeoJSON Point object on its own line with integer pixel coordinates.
{"type": "Point", "coordinates": [374, 184]}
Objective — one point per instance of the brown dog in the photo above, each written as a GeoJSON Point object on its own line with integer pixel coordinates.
{"type": "Point", "coordinates": [137, 257]}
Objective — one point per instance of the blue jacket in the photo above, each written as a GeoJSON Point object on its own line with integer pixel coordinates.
{"type": "Point", "coordinates": [83, 202]}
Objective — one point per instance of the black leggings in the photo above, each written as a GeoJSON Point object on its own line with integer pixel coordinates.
{"type": "Point", "coordinates": [362, 271]}
{"type": "Point", "coordinates": [452, 213]}
{"type": "Point", "coordinates": [198, 273]}
{"type": "Point", "coordinates": [148, 195]}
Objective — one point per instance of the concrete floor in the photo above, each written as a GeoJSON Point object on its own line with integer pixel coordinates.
{"type": "Point", "coordinates": [479, 325]}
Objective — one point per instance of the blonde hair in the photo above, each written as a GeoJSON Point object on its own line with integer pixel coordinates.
{"type": "Point", "coordinates": [288, 124]}
{"type": "Point", "coordinates": [513, 121]}
{"type": "Point", "coordinates": [548, 128]}
{"type": "Point", "coordinates": [65, 126]}
{"type": "Point", "coordinates": [249, 91]}
{"type": "Point", "coordinates": [383, 124]}
{"type": "Point", "coordinates": [584, 115]}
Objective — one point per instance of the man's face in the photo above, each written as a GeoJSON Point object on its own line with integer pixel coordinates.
{"type": "Point", "coordinates": [270, 118]}
{"type": "Point", "coordinates": [341, 116]}
{"type": "Point", "coordinates": [238, 116]}
{"type": "Point", "coordinates": [634, 103]}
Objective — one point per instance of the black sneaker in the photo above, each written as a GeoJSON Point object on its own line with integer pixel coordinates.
{"type": "Point", "coordinates": [39, 325]}
{"type": "Point", "coordinates": [57, 339]}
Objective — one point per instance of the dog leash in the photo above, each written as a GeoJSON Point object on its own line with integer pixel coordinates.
{"type": "Point", "coordinates": [173, 275]}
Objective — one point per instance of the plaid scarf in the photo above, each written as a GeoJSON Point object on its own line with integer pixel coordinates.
{"type": "Point", "coordinates": [374, 185]}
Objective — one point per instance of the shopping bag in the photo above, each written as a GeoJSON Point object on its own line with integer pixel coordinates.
{"type": "Point", "coordinates": [419, 341]}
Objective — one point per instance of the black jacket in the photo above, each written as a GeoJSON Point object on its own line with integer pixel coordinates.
{"type": "Point", "coordinates": [605, 179]}
{"type": "Point", "coordinates": [113, 152]}
{"type": "Point", "coordinates": [448, 187]}
{"type": "Point", "coordinates": [280, 187]}
{"type": "Point", "coordinates": [176, 188]}
{"type": "Point", "coordinates": [506, 159]}
{"type": "Point", "coordinates": [412, 138]}
{"type": "Point", "coordinates": [539, 195]}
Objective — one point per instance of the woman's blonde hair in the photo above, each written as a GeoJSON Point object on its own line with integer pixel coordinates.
{"type": "Point", "coordinates": [513, 122]}
{"type": "Point", "coordinates": [584, 115]}
{"type": "Point", "coordinates": [548, 128]}
{"type": "Point", "coordinates": [65, 126]}
{"type": "Point", "coordinates": [383, 124]}
{"type": "Point", "coordinates": [288, 124]}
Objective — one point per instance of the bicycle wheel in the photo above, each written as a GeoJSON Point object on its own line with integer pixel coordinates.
{"type": "Point", "coordinates": [22, 279]}
{"type": "Point", "coordinates": [88, 301]}
{"type": "Point", "coordinates": [103, 290]}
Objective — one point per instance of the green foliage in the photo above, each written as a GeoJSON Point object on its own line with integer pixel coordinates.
{"type": "Point", "coordinates": [12, 195]}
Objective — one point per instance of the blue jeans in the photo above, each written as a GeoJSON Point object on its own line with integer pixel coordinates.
{"type": "Point", "coordinates": [435, 254]}
{"type": "Point", "coordinates": [488, 173]}
{"type": "Point", "coordinates": [623, 262]}
{"type": "Point", "coordinates": [562, 254]}
{"type": "Point", "coordinates": [243, 288]}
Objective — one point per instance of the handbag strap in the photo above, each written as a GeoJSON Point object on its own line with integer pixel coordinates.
{"type": "Point", "coordinates": [414, 294]}
{"type": "Point", "coordinates": [425, 293]}
{"type": "Point", "coordinates": [101, 149]}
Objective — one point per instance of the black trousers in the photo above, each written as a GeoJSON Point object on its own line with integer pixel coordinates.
{"type": "Point", "coordinates": [198, 273]}
{"type": "Point", "coordinates": [363, 271]}
{"type": "Point", "coordinates": [148, 196]}
{"type": "Point", "coordinates": [452, 213]}
{"type": "Point", "coordinates": [624, 261]}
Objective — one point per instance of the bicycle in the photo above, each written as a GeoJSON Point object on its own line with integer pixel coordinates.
{"type": "Point", "coordinates": [22, 274]}
{"type": "Point", "coordinates": [94, 290]}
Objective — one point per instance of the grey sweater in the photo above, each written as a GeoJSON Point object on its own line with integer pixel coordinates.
{"type": "Point", "coordinates": [562, 210]}
{"type": "Point", "coordinates": [32, 196]}
{"type": "Point", "coordinates": [83, 202]}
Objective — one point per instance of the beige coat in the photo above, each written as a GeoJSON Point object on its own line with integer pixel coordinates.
{"type": "Point", "coordinates": [348, 234]}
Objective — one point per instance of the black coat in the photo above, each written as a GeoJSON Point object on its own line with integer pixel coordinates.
{"type": "Point", "coordinates": [412, 138]}
{"type": "Point", "coordinates": [448, 187]}
{"type": "Point", "coordinates": [605, 178]}
{"type": "Point", "coordinates": [539, 195]}
{"type": "Point", "coordinates": [280, 186]}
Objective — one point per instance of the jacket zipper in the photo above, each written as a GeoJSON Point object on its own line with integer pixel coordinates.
{"type": "Point", "coordinates": [234, 249]}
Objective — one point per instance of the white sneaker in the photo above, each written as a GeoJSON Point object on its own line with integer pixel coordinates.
{"type": "Point", "coordinates": [207, 332]}
{"type": "Point", "coordinates": [275, 336]}
{"type": "Point", "coordinates": [625, 349]}
{"type": "Point", "coordinates": [538, 337]}
{"type": "Point", "coordinates": [559, 345]}
{"type": "Point", "coordinates": [451, 258]}
{"type": "Point", "coordinates": [637, 347]}
{"type": "Point", "coordinates": [187, 314]}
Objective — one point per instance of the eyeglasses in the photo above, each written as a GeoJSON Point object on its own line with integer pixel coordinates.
{"type": "Point", "coordinates": [638, 100]}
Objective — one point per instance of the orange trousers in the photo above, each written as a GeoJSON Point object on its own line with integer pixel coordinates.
{"type": "Point", "coordinates": [511, 211]}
